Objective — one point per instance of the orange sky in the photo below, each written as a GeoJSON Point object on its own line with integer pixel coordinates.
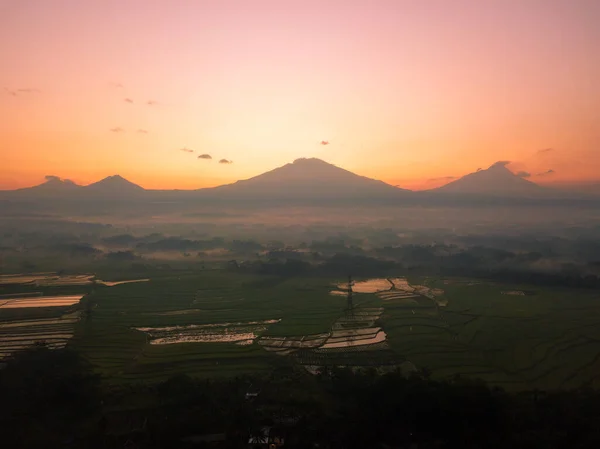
{"type": "Point", "coordinates": [410, 92]}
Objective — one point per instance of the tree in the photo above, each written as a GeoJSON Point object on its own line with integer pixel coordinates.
{"type": "Point", "coordinates": [47, 396]}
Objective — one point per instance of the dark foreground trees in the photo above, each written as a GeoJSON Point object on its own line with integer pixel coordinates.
{"type": "Point", "coordinates": [50, 399]}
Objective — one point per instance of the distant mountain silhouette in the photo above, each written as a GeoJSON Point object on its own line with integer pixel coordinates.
{"type": "Point", "coordinates": [310, 181]}
{"type": "Point", "coordinates": [306, 178]}
{"type": "Point", "coordinates": [51, 187]}
{"type": "Point", "coordinates": [114, 185]}
{"type": "Point", "coordinates": [497, 180]}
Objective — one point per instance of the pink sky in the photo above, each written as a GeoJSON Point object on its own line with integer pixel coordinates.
{"type": "Point", "coordinates": [410, 92]}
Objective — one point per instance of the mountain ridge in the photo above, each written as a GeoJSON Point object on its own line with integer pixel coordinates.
{"type": "Point", "coordinates": [305, 178]}
{"type": "Point", "coordinates": [112, 184]}
{"type": "Point", "coordinates": [495, 180]}
{"type": "Point", "coordinates": [309, 176]}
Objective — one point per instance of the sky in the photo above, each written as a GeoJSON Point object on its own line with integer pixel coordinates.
{"type": "Point", "coordinates": [412, 92]}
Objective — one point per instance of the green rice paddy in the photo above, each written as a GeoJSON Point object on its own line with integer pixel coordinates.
{"type": "Point", "coordinates": [546, 339]}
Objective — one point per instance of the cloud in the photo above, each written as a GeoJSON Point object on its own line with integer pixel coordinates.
{"type": "Point", "coordinates": [128, 100]}
{"type": "Point", "coordinates": [523, 174]}
{"type": "Point", "coordinates": [225, 161]}
{"type": "Point", "coordinates": [22, 90]}
{"type": "Point", "coordinates": [186, 150]}
{"type": "Point", "coordinates": [324, 142]}
{"type": "Point", "coordinates": [115, 85]}
{"type": "Point", "coordinates": [500, 164]}
{"type": "Point", "coordinates": [479, 169]}
{"type": "Point", "coordinates": [118, 129]}
{"type": "Point", "coordinates": [205, 156]}
{"type": "Point", "coordinates": [52, 178]}
{"type": "Point", "coordinates": [151, 103]}
{"type": "Point", "coordinates": [142, 131]}
{"type": "Point", "coordinates": [545, 150]}
{"type": "Point", "coordinates": [442, 178]}
{"type": "Point", "coordinates": [546, 173]}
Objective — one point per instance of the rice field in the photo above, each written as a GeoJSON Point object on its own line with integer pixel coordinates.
{"type": "Point", "coordinates": [51, 279]}
{"type": "Point", "coordinates": [53, 332]}
{"type": "Point", "coordinates": [40, 308]}
{"type": "Point", "coordinates": [113, 283]}
{"type": "Point", "coordinates": [351, 330]}
{"type": "Point", "coordinates": [40, 301]}
{"type": "Point", "coordinates": [238, 333]}
{"type": "Point", "coordinates": [355, 338]}
{"type": "Point", "coordinates": [46, 279]}
{"type": "Point", "coordinates": [368, 286]}
{"type": "Point", "coordinates": [221, 323]}
{"type": "Point", "coordinates": [390, 289]}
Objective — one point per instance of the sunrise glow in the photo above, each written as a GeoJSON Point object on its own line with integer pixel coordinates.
{"type": "Point", "coordinates": [412, 93]}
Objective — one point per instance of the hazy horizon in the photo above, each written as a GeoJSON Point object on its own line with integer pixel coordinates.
{"type": "Point", "coordinates": [440, 182]}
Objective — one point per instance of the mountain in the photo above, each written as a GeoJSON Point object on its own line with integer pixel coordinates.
{"type": "Point", "coordinates": [497, 180]}
{"type": "Point", "coordinates": [309, 179]}
{"type": "Point", "coordinates": [53, 186]}
{"type": "Point", "coordinates": [114, 185]}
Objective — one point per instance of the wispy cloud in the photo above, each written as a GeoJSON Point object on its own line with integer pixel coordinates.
{"type": "Point", "coordinates": [500, 164]}
{"type": "Point", "coordinates": [118, 129]}
{"type": "Point", "coordinates": [50, 178]}
{"type": "Point", "coordinates": [225, 161]}
{"type": "Point", "coordinates": [205, 156]}
{"type": "Point", "coordinates": [151, 103]}
{"type": "Point", "coordinates": [142, 131]}
{"type": "Point", "coordinates": [523, 174]}
{"type": "Point", "coordinates": [442, 178]}
{"type": "Point", "coordinates": [115, 85]}
{"type": "Point", "coordinates": [186, 150]}
{"type": "Point", "coordinates": [22, 90]}
{"type": "Point", "coordinates": [324, 142]}
{"type": "Point", "coordinates": [545, 150]}
{"type": "Point", "coordinates": [128, 100]}
{"type": "Point", "coordinates": [546, 173]}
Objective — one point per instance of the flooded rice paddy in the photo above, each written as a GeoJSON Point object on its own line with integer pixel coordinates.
{"type": "Point", "coordinates": [286, 345]}
{"type": "Point", "coordinates": [176, 312]}
{"type": "Point", "coordinates": [52, 279]}
{"type": "Point", "coordinates": [53, 332]}
{"type": "Point", "coordinates": [369, 286]}
{"type": "Point", "coordinates": [40, 301]}
{"type": "Point", "coordinates": [391, 289]}
{"type": "Point", "coordinates": [338, 293]}
{"type": "Point", "coordinates": [239, 333]}
{"type": "Point", "coordinates": [52, 328]}
{"type": "Point", "coordinates": [46, 279]}
{"type": "Point", "coordinates": [351, 330]}
{"type": "Point", "coordinates": [353, 340]}
{"type": "Point", "coordinates": [112, 284]}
